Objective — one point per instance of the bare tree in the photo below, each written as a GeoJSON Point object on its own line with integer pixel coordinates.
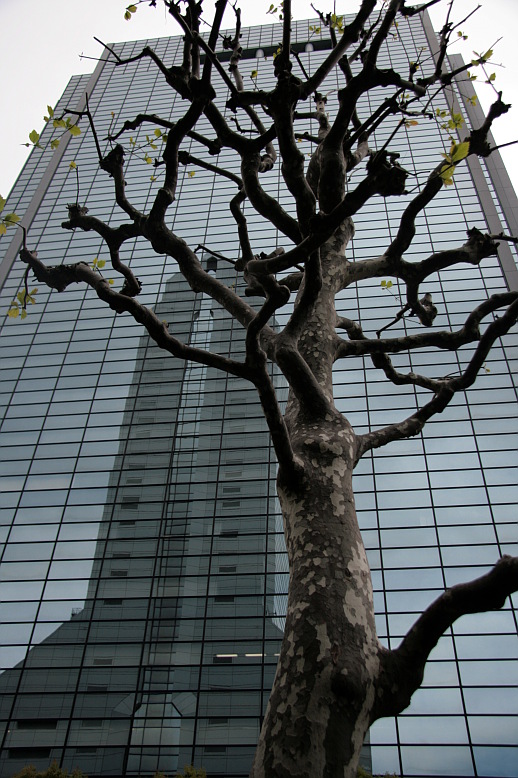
{"type": "Point", "coordinates": [334, 678]}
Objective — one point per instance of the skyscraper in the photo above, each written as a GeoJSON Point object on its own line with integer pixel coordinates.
{"type": "Point", "coordinates": [144, 577]}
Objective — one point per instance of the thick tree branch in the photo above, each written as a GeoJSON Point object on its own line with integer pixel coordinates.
{"type": "Point", "coordinates": [242, 229]}
{"type": "Point", "coordinates": [382, 33]}
{"type": "Point", "coordinates": [310, 395]}
{"type": "Point", "coordinates": [292, 158]}
{"type": "Point", "coordinates": [477, 247]}
{"type": "Point", "coordinates": [403, 668]}
{"type": "Point", "coordinates": [176, 77]}
{"type": "Point", "coordinates": [166, 194]}
{"type": "Point", "coordinates": [263, 203]}
{"type": "Point", "coordinates": [445, 390]}
{"type": "Point", "coordinates": [412, 10]}
{"type": "Point", "coordinates": [187, 159]}
{"type": "Point", "coordinates": [114, 238]}
{"type": "Point", "coordinates": [407, 228]}
{"type": "Point", "coordinates": [113, 164]}
{"type": "Point", "coordinates": [256, 360]}
{"type": "Point", "coordinates": [133, 124]}
{"type": "Point", "coordinates": [360, 344]}
{"type": "Point", "coordinates": [407, 428]}
{"type": "Point", "coordinates": [59, 277]}
{"type": "Point", "coordinates": [213, 146]}
{"type": "Point", "coordinates": [349, 36]}
{"type": "Point", "coordinates": [308, 296]}
{"type": "Point", "coordinates": [496, 329]}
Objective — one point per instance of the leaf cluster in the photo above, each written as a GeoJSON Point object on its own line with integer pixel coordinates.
{"type": "Point", "coordinates": [9, 220]}
{"type": "Point", "coordinates": [19, 304]}
{"type": "Point", "coordinates": [277, 10]}
{"type": "Point", "coordinates": [68, 125]}
{"type": "Point", "coordinates": [130, 10]}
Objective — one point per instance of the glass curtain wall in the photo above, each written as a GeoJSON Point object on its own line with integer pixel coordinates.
{"type": "Point", "coordinates": [143, 576]}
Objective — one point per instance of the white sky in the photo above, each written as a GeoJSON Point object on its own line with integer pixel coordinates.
{"type": "Point", "coordinates": [41, 40]}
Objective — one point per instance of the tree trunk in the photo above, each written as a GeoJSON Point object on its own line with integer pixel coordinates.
{"type": "Point", "coordinates": [323, 693]}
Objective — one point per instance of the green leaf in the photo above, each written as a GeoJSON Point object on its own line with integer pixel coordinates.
{"type": "Point", "coordinates": [11, 218]}
{"type": "Point", "coordinates": [2, 203]}
{"type": "Point", "coordinates": [158, 133]}
{"type": "Point", "coordinates": [253, 74]}
{"type": "Point", "coordinates": [72, 165]}
{"type": "Point", "coordinates": [148, 160]}
{"type": "Point", "coordinates": [492, 77]}
{"type": "Point", "coordinates": [101, 263]}
{"type": "Point", "coordinates": [487, 55]}
{"type": "Point", "coordinates": [459, 151]}
{"type": "Point", "coordinates": [54, 143]}
{"type": "Point", "coordinates": [34, 137]}
{"type": "Point", "coordinates": [50, 111]}
{"type": "Point", "coordinates": [59, 123]}
{"type": "Point", "coordinates": [132, 9]}
{"type": "Point", "coordinates": [455, 122]}
{"type": "Point", "coordinates": [191, 173]}
{"type": "Point", "coordinates": [3, 228]}
{"type": "Point", "coordinates": [446, 173]}
{"type": "Point", "coordinates": [74, 130]}
{"type": "Point", "coordinates": [23, 313]}
{"type": "Point", "coordinates": [13, 312]}
{"type": "Point", "coordinates": [127, 15]}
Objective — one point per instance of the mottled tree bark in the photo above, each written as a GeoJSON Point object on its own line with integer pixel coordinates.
{"type": "Point", "coordinates": [319, 709]}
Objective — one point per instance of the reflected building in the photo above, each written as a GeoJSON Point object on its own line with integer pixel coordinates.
{"type": "Point", "coordinates": [143, 576]}
{"type": "Point", "coordinates": [168, 661]}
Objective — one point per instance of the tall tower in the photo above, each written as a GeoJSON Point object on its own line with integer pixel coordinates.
{"type": "Point", "coordinates": [173, 651]}
{"type": "Point", "coordinates": [143, 573]}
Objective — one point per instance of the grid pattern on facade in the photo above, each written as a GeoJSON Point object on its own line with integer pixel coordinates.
{"type": "Point", "coordinates": [144, 578]}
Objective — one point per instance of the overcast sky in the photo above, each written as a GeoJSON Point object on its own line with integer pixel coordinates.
{"type": "Point", "coordinates": [41, 42]}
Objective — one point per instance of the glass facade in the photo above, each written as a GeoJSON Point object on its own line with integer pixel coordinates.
{"type": "Point", "coordinates": [143, 577]}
